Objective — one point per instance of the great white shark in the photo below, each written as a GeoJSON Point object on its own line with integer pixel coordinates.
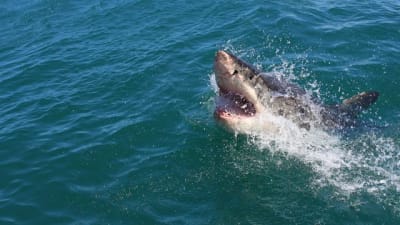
{"type": "Point", "coordinates": [250, 100]}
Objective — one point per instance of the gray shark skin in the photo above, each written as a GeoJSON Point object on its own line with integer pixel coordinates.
{"type": "Point", "coordinates": [247, 96]}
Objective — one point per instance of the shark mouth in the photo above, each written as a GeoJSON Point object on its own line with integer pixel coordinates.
{"type": "Point", "coordinates": [230, 104]}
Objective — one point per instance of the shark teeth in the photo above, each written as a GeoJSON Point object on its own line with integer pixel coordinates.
{"type": "Point", "coordinates": [233, 104]}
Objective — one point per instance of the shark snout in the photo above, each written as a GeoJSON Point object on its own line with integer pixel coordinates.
{"type": "Point", "coordinates": [224, 63]}
{"type": "Point", "coordinates": [221, 56]}
{"type": "Point", "coordinates": [223, 59]}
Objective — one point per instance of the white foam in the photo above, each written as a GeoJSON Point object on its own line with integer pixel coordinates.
{"type": "Point", "coordinates": [213, 83]}
{"type": "Point", "coordinates": [366, 163]}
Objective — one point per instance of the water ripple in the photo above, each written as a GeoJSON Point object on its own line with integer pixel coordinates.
{"type": "Point", "coordinates": [106, 111]}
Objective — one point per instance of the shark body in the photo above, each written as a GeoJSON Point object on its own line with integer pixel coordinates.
{"type": "Point", "coordinates": [251, 100]}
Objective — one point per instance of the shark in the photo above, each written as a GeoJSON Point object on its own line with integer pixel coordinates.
{"type": "Point", "coordinates": [250, 100]}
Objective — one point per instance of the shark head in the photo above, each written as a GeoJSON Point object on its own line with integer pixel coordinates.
{"type": "Point", "coordinates": [238, 103]}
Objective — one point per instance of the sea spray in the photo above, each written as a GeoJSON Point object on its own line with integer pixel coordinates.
{"type": "Point", "coordinates": [365, 162]}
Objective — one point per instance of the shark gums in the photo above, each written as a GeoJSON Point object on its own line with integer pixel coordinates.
{"type": "Point", "coordinates": [250, 100]}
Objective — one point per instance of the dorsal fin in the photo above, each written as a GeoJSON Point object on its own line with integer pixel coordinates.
{"type": "Point", "coordinates": [357, 103]}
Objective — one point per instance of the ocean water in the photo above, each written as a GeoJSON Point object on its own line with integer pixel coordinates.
{"type": "Point", "coordinates": [106, 113]}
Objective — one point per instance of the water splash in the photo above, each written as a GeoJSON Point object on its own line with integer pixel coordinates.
{"type": "Point", "coordinates": [363, 163]}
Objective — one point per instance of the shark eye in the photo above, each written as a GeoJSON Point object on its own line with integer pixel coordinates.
{"type": "Point", "coordinates": [235, 72]}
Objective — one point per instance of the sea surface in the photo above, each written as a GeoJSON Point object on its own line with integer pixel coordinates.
{"type": "Point", "coordinates": [106, 113]}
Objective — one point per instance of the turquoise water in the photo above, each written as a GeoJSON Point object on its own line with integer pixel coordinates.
{"type": "Point", "coordinates": [106, 113]}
